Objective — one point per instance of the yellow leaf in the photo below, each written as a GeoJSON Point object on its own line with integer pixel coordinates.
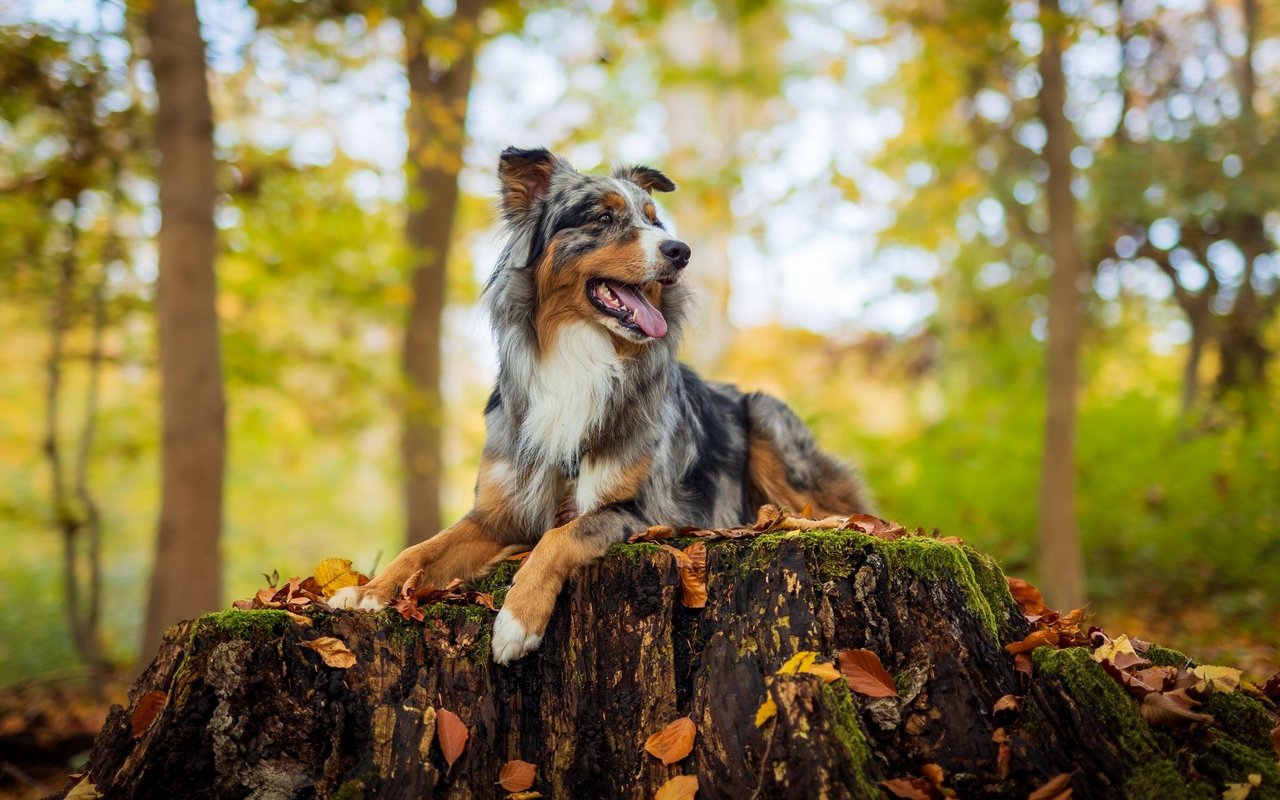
{"type": "Point", "coordinates": [827, 672]}
{"type": "Point", "coordinates": [83, 789]}
{"type": "Point", "coordinates": [1216, 679]}
{"type": "Point", "coordinates": [335, 573]}
{"type": "Point", "coordinates": [1115, 647]}
{"type": "Point", "coordinates": [798, 663]}
{"type": "Point", "coordinates": [766, 711]}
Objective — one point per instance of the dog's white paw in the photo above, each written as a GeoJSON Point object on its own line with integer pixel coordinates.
{"type": "Point", "coordinates": [352, 597]}
{"type": "Point", "coordinates": [510, 639]}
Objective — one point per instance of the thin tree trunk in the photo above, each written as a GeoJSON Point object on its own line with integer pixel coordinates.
{"type": "Point", "coordinates": [187, 574]}
{"type": "Point", "coordinates": [436, 126]}
{"type": "Point", "coordinates": [1061, 569]}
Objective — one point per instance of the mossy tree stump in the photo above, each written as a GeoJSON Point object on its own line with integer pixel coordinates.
{"type": "Point", "coordinates": [251, 713]}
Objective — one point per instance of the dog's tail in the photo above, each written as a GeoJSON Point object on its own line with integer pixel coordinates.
{"type": "Point", "coordinates": [785, 466]}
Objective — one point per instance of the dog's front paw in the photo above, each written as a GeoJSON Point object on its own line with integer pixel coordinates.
{"type": "Point", "coordinates": [512, 639]}
{"type": "Point", "coordinates": [358, 597]}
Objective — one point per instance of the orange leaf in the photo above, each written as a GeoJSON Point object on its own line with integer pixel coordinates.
{"type": "Point", "coordinates": [681, 787]}
{"type": "Point", "coordinates": [693, 579]}
{"type": "Point", "coordinates": [1057, 788]}
{"type": "Point", "coordinates": [516, 776]}
{"type": "Point", "coordinates": [452, 734]}
{"type": "Point", "coordinates": [673, 742]}
{"type": "Point", "coordinates": [1027, 596]}
{"type": "Point", "coordinates": [1041, 638]}
{"type": "Point", "coordinates": [907, 788]}
{"type": "Point", "coordinates": [332, 651]}
{"type": "Point", "coordinates": [1004, 753]}
{"type": "Point", "coordinates": [865, 674]}
{"type": "Point", "coordinates": [148, 709]}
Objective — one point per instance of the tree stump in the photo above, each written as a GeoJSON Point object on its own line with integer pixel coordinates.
{"type": "Point", "coordinates": [250, 713]}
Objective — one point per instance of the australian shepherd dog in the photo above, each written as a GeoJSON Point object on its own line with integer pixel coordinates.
{"type": "Point", "coordinates": [594, 431]}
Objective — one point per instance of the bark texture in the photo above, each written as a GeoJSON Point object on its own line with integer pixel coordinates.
{"type": "Point", "coordinates": [187, 576]}
{"type": "Point", "coordinates": [1061, 565]}
{"type": "Point", "coordinates": [435, 122]}
{"type": "Point", "coordinates": [249, 712]}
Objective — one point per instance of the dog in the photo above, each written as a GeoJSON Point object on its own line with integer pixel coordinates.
{"type": "Point", "coordinates": [594, 431]}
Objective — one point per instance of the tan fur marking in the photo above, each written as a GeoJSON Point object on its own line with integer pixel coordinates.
{"type": "Point", "coordinates": [629, 482]}
{"type": "Point", "coordinates": [562, 294]}
{"type": "Point", "coordinates": [769, 478]}
{"type": "Point", "coordinates": [464, 550]}
{"type": "Point", "coordinates": [650, 213]}
{"type": "Point", "coordinates": [490, 492]}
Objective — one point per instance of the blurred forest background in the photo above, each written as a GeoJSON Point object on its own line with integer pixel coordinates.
{"type": "Point", "coordinates": [930, 226]}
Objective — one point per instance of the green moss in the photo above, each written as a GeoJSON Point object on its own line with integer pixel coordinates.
{"type": "Point", "coordinates": [1164, 657]}
{"type": "Point", "coordinates": [844, 714]}
{"type": "Point", "coordinates": [243, 624]}
{"type": "Point", "coordinates": [994, 588]}
{"type": "Point", "coordinates": [833, 551]}
{"type": "Point", "coordinates": [1161, 780]}
{"type": "Point", "coordinates": [931, 560]}
{"type": "Point", "coordinates": [448, 612]}
{"type": "Point", "coordinates": [350, 790]}
{"type": "Point", "coordinates": [1090, 686]}
{"type": "Point", "coordinates": [497, 582]}
{"type": "Point", "coordinates": [1228, 761]}
{"type": "Point", "coordinates": [635, 553]}
{"type": "Point", "coordinates": [1242, 717]}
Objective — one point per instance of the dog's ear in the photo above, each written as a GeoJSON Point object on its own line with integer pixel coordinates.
{"type": "Point", "coordinates": [647, 178]}
{"type": "Point", "coordinates": [526, 176]}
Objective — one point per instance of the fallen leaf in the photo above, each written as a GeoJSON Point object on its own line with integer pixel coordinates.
{"type": "Point", "coordinates": [1160, 677]}
{"type": "Point", "coordinates": [524, 796]}
{"type": "Point", "coordinates": [335, 573]}
{"type": "Point", "coordinates": [654, 533]}
{"type": "Point", "coordinates": [766, 711]}
{"type": "Point", "coordinates": [912, 788]}
{"type": "Point", "coordinates": [299, 620]}
{"type": "Point", "coordinates": [933, 774]}
{"type": "Point", "coordinates": [406, 603]}
{"type": "Point", "coordinates": [865, 674]}
{"type": "Point", "coordinates": [797, 663]}
{"type": "Point", "coordinates": [955, 540]}
{"type": "Point", "coordinates": [1130, 681]}
{"type": "Point", "coordinates": [681, 787]}
{"type": "Point", "coordinates": [1004, 753]}
{"type": "Point", "coordinates": [1240, 791]}
{"type": "Point", "coordinates": [1216, 679]}
{"type": "Point", "coordinates": [1271, 687]}
{"type": "Point", "coordinates": [1023, 666]}
{"type": "Point", "coordinates": [452, 734]}
{"type": "Point", "coordinates": [148, 708]}
{"type": "Point", "coordinates": [822, 669]}
{"type": "Point", "coordinates": [1007, 708]}
{"type": "Point", "coordinates": [673, 742]}
{"type": "Point", "coordinates": [83, 789]}
{"type": "Point", "coordinates": [1039, 638]}
{"type": "Point", "coordinates": [517, 775]}
{"type": "Point", "coordinates": [693, 579]}
{"type": "Point", "coordinates": [1056, 788]}
{"type": "Point", "coordinates": [1275, 740]}
{"type": "Point", "coordinates": [332, 651]}
{"type": "Point", "coordinates": [1027, 597]}
{"type": "Point", "coordinates": [1119, 651]}
{"type": "Point", "coordinates": [1169, 709]}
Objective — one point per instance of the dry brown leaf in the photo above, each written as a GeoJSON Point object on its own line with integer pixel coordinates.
{"type": "Point", "coordinates": [148, 708]}
{"type": "Point", "coordinates": [933, 774]}
{"type": "Point", "coordinates": [1169, 709]}
{"type": "Point", "coordinates": [673, 742]}
{"type": "Point", "coordinates": [1004, 753]}
{"type": "Point", "coordinates": [1271, 687]}
{"type": "Point", "coordinates": [517, 775]}
{"type": "Point", "coordinates": [452, 734]}
{"type": "Point", "coordinates": [1039, 638]}
{"type": "Point", "coordinates": [911, 788]}
{"type": "Point", "coordinates": [1275, 740]}
{"type": "Point", "coordinates": [1022, 665]}
{"type": "Point", "coordinates": [332, 651]}
{"type": "Point", "coordinates": [524, 796]}
{"type": "Point", "coordinates": [865, 674]}
{"type": "Point", "coordinates": [299, 620]}
{"type": "Point", "coordinates": [1027, 596]}
{"type": "Point", "coordinates": [681, 787]}
{"type": "Point", "coordinates": [693, 579]}
{"type": "Point", "coordinates": [1056, 788]}
{"type": "Point", "coordinates": [655, 533]}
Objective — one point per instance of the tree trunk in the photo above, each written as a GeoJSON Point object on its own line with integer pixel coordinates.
{"type": "Point", "coordinates": [187, 576]}
{"type": "Point", "coordinates": [435, 122]}
{"type": "Point", "coordinates": [1061, 568]}
{"type": "Point", "coordinates": [249, 712]}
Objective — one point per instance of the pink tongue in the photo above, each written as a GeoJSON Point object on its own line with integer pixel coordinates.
{"type": "Point", "coordinates": [648, 318]}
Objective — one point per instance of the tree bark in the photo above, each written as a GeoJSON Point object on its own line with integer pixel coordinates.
{"type": "Point", "coordinates": [435, 121]}
{"type": "Point", "coordinates": [249, 712]}
{"type": "Point", "coordinates": [187, 575]}
{"type": "Point", "coordinates": [1061, 566]}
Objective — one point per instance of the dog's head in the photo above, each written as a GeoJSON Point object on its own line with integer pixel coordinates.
{"type": "Point", "coordinates": [597, 250]}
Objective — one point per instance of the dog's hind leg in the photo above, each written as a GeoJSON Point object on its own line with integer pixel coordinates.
{"type": "Point", "coordinates": [786, 467]}
{"type": "Point", "coordinates": [464, 550]}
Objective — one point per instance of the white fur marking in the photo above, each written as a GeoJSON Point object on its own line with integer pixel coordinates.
{"type": "Point", "coordinates": [350, 598]}
{"type": "Point", "coordinates": [510, 640]}
{"type": "Point", "coordinates": [596, 480]}
{"type": "Point", "coordinates": [571, 388]}
{"type": "Point", "coordinates": [651, 239]}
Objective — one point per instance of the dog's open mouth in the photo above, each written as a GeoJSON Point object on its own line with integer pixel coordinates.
{"type": "Point", "coordinates": [628, 305]}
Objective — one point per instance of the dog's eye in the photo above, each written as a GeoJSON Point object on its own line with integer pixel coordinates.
{"type": "Point", "coordinates": [605, 219]}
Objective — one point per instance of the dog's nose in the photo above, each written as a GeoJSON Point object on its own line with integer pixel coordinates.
{"type": "Point", "coordinates": [676, 251]}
